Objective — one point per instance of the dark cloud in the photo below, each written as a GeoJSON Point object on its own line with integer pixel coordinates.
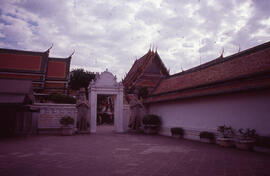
{"type": "Point", "coordinates": [111, 34]}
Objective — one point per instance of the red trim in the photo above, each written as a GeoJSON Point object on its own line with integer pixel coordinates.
{"type": "Point", "coordinates": [54, 85]}
{"type": "Point", "coordinates": [18, 76]}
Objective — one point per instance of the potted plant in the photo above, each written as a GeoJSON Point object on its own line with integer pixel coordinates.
{"type": "Point", "coordinates": [151, 123]}
{"type": "Point", "coordinates": [207, 137]}
{"type": "Point", "coordinates": [226, 134]}
{"type": "Point", "coordinates": [177, 132]}
{"type": "Point", "coordinates": [246, 139]}
{"type": "Point", "coordinates": [67, 123]}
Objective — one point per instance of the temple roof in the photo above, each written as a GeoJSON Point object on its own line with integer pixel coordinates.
{"type": "Point", "coordinates": [30, 62]}
{"type": "Point", "coordinates": [140, 66]}
{"type": "Point", "coordinates": [244, 70]}
{"type": "Point", "coordinates": [23, 61]}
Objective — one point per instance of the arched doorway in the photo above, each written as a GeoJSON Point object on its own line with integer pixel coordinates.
{"type": "Point", "coordinates": [106, 84]}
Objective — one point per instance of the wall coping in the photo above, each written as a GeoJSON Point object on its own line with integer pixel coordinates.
{"type": "Point", "coordinates": [54, 104]}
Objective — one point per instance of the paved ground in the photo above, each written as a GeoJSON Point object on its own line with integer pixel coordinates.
{"type": "Point", "coordinates": [106, 153]}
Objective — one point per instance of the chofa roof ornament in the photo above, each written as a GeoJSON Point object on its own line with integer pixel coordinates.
{"type": "Point", "coordinates": [72, 54]}
{"type": "Point", "coordinates": [48, 50]}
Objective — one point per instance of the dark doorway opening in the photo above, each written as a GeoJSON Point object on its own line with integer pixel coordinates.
{"type": "Point", "coordinates": [105, 112]}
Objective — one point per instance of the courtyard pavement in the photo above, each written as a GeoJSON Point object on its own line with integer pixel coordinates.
{"type": "Point", "coordinates": [107, 153]}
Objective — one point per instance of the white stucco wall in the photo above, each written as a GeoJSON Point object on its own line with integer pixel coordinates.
{"type": "Point", "coordinates": [241, 110]}
{"type": "Point", "coordinates": [51, 113]}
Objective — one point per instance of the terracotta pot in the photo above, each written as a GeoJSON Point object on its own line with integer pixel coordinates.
{"type": "Point", "coordinates": [177, 136]}
{"type": "Point", "coordinates": [207, 140]}
{"type": "Point", "coordinates": [67, 130]}
{"type": "Point", "coordinates": [225, 142]}
{"type": "Point", "coordinates": [245, 144]}
{"type": "Point", "coordinates": [151, 129]}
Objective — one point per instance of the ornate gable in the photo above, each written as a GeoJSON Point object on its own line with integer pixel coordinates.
{"type": "Point", "coordinates": [58, 68]}
{"type": "Point", "coordinates": [146, 72]}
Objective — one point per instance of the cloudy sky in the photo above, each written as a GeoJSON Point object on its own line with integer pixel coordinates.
{"type": "Point", "coordinates": [112, 34]}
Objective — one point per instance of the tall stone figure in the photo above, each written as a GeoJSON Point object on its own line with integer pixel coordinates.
{"type": "Point", "coordinates": [82, 108]}
{"type": "Point", "coordinates": [136, 113]}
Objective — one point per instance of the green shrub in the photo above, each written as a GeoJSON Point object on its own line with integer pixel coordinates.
{"type": "Point", "coordinates": [225, 131]}
{"type": "Point", "coordinates": [247, 133]}
{"type": "Point", "coordinates": [151, 119]}
{"type": "Point", "coordinates": [177, 131]}
{"type": "Point", "coordinates": [206, 134]}
{"type": "Point", "coordinates": [66, 120]}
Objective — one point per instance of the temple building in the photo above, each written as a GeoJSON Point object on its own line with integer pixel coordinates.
{"type": "Point", "coordinates": [145, 72]}
{"type": "Point", "coordinates": [48, 74]}
{"type": "Point", "coordinates": [232, 90]}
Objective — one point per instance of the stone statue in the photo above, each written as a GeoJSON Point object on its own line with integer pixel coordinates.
{"type": "Point", "coordinates": [136, 109]}
{"type": "Point", "coordinates": [82, 108]}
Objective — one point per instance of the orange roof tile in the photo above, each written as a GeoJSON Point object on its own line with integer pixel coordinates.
{"type": "Point", "coordinates": [140, 65]}
{"type": "Point", "coordinates": [241, 65]}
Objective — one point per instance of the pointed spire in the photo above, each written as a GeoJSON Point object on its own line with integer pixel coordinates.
{"type": "Point", "coordinates": [150, 48]}
{"type": "Point", "coordinates": [239, 49]}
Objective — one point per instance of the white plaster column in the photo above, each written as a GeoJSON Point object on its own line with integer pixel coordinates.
{"type": "Point", "coordinates": [120, 113]}
{"type": "Point", "coordinates": [75, 113]}
{"type": "Point", "coordinates": [118, 121]}
{"type": "Point", "coordinates": [93, 111]}
{"type": "Point", "coordinates": [116, 113]}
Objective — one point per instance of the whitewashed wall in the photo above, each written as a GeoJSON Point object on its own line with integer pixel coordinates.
{"type": "Point", "coordinates": [50, 114]}
{"type": "Point", "coordinates": [242, 110]}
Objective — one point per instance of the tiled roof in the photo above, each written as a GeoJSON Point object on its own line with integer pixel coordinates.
{"type": "Point", "coordinates": [35, 66]}
{"type": "Point", "coordinates": [240, 66]}
{"type": "Point", "coordinates": [23, 61]}
{"type": "Point", "coordinates": [140, 65]}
